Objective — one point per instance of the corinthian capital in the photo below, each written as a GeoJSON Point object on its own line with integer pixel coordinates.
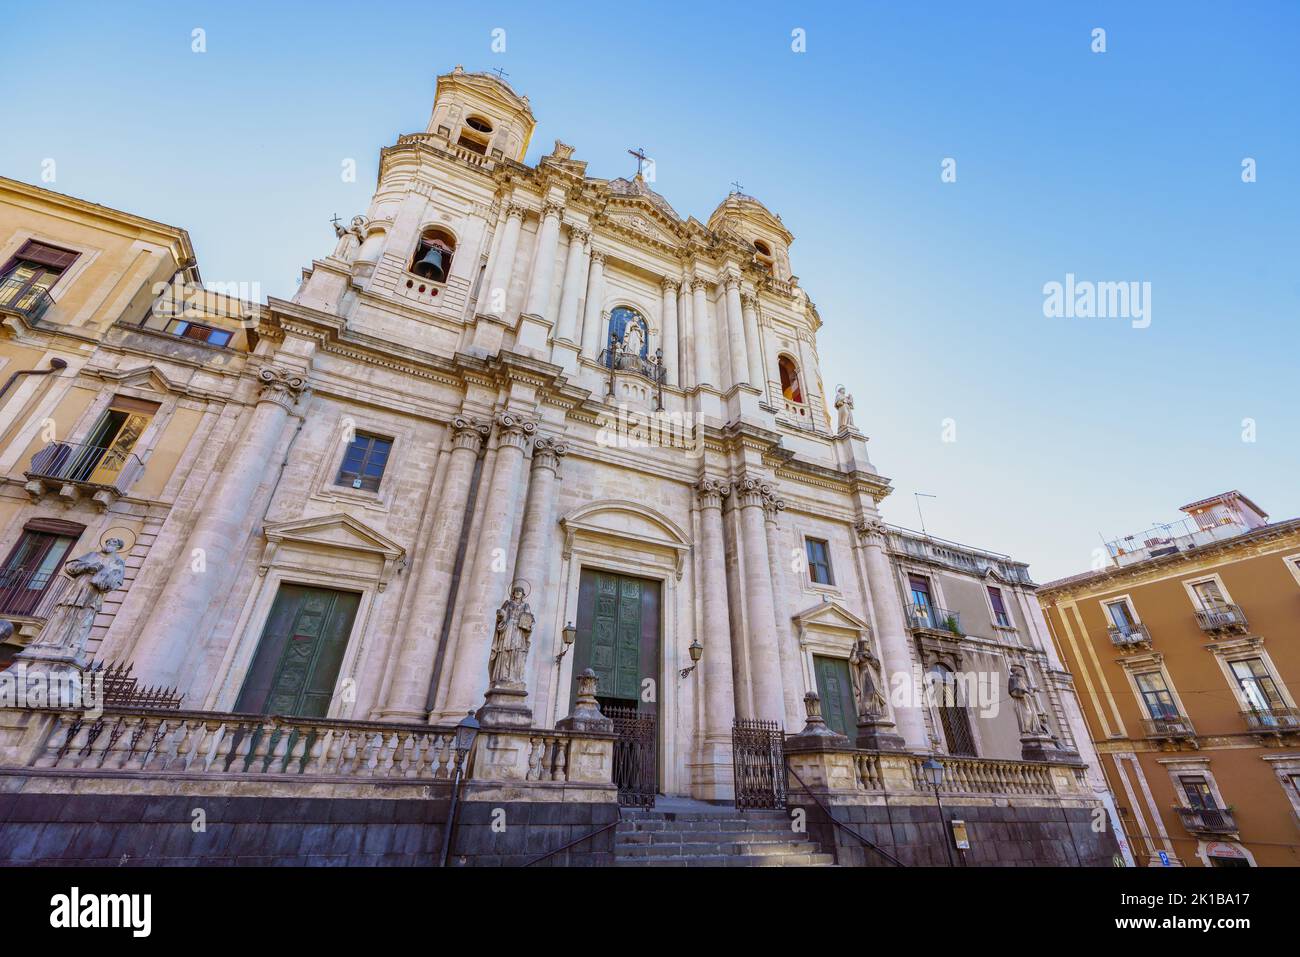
{"type": "Point", "coordinates": [872, 531]}
{"type": "Point", "coordinates": [514, 430]}
{"type": "Point", "coordinates": [552, 208]}
{"type": "Point", "coordinates": [711, 492]}
{"type": "Point", "coordinates": [280, 386]}
{"type": "Point", "coordinates": [469, 433]}
{"type": "Point", "coordinates": [547, 453]}
{"type": "Point", "coordinates": [579, 234]}
{"type": "Point", "coordinates": [516, 210]}
{"type": "Point", "coordinates": [668, 285]}
{"type": "Point", "coordinates": [697, 284]}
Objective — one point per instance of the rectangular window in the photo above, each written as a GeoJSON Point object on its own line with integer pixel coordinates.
{"type": "Point", "coordinates": [1257, 685]}
{"type": "Point", "coordinates": [1000, 616]}
{"type": "Point", "coordinates": [1198, 793]}
{"type": "Point", "coordinates": [30, 569]}
{"type": "Point", "coordinates": [1155, 695]}
{"type": "Point", "coordinates": [1209, 595]}
{"type": "Point", "coordinates": [364, 462]}
{"type": "Point", "coordinates": [819, 561]}
{"type": "Point", "coordinates": [28, 277]}
{"type": "Point", "coordinates": [1120, 616]}
{"type": "Point", "coordinates": [922, 604]}
{"type": "Point", "coordinates": [198, 331]}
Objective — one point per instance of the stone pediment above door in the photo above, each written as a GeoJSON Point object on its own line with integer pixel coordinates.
{"type": "Point", "coordinates": [829, 628]}
{"type": "Point", "coordinates": [338, 542]}
{"type": "Point", "coordinates": [628, 524]}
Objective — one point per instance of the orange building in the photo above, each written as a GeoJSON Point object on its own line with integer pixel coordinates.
{"type": "Point", "coordinates": [1186, 652]}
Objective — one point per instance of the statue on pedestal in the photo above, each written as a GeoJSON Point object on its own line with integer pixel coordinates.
{"type": "Point", "coordinates": [844, 410]}
{"type": "Point", "coordinates": [866, 680]}
{"type": "Point", "coordinates": [514, 630]}
{"type": "Point", "coordinates": [350, 237]}
{"type": "Point", "coordinates": [93, 575]}
{"type": "Point", "coordinates": [1029, 716]}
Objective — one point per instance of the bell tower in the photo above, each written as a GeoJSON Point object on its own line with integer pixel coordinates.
{"type": "Point", "coordinates": [479, 112]}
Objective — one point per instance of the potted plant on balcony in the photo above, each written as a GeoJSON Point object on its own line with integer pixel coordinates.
{"type": "Point", "coordinates": [952, 625]}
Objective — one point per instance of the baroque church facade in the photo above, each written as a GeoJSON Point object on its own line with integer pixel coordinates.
{"type": "Point", "coordinates": [514, 404]}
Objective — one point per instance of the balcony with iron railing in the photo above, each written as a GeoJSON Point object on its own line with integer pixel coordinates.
{"type": "Point", "coordinates": [1221, 619]}
{"type": "Point", "coordinates": [1172, 727]}
{"type": "Point", "coordinates": [1130, 636]}
{"type": "Point", "coordinates": [1273, 721]}
{"type": "Point", "coordinates": [23, 299]}
{"type": "Point", "coordinates": [105, 473]}
{"type": "Point", "coordinates": [621, 361]}
{"type": "Point", "coordinates": [1207, 820]}
{"type": "Point", "coordinates": [935, 619]}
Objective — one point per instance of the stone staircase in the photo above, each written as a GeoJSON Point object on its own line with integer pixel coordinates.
{"type": "Point", "coordinates": [681, 833]}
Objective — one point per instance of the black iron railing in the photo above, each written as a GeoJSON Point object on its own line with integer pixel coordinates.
{"type": "Point", "coordinates": [622, 361]}
{"type": "Point", "coordinates": [1169, 726]}
{"type": "Point", "coordinates": [933, 618]}
{"type": "Point", "coordinates": [85, 464]}
{"type": "Point", "coordinates": [1273, 719]}
{"type": "Point", "coordinates": [30, 592]}
{"type": "Point", "coordinates": [758, 763]}
{"type": "Point", "coordinates": [1125, 636]}
{"type": "Point", "coordinates": [636, 770]}
{"type": "Point", "coordinates": [1207, 820]}
{"type": "Point", "coordinates": [30, 302]}
{"type": "Point", "coordinates": [1221, 618]}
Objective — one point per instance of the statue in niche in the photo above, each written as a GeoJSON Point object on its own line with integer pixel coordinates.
{"type": "Point", "coordinates": [866, 680]}
{"type": "Point", "coordinates": [633, 339]}
{"type": "Point", "coordinates": [844, 409]}
{"type": "Point", "coordinates": [1028, 715]}
{"type": "Point", "coordinates": [93, 575]}
{"type": "Point", "coordinates": [514, 630]}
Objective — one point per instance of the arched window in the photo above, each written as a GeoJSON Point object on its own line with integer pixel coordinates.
{"type": "Point", "coordinates": [790, 386]}
{"type": "Point", "coordinates": [950, 705]}
{"type": "Point", "coordinates": [763, 253]}
{"type": "Point", "coordinates": [476, 134]}
{"type": "Point", "coordinates": [619, 320]}
{"type": "Point", "coordinates": [432, 259]}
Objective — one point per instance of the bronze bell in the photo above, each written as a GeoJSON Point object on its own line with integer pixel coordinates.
{"type": "Point", "coordinates": [433, 266]}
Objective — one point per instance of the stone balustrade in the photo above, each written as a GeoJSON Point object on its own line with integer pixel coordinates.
{"type": "Point", "coordinates": [220, 745]}
{"type": "Point", "coordinates": [987, 776]}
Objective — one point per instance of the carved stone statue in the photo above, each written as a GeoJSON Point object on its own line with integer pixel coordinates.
{"type": "Point", "coordinates": [1030, 718]}
{"type": "Point", "coordinates": [844, 410]}
{"type": "Point", "coordinates": [514, 630]}
{"type": "Point", "coordinates": [866, 680]}
{"type": "Point", "coordinates": [350, 238]}
{"type": "Point", "coordinates": [633, 339]}
{"type": "Point", "coordinates": [93, 575]}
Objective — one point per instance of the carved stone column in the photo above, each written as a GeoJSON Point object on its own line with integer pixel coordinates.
{"type": "Point", "coordinates": [894, 641]}
{"type": "Point", "coordinates": [753, 341]}
{"type": "Point", "coordinates": [705, 368]}
{"type": "Point", "coordinates": [672, 366]}
{"type": "Point", "coordinates": [792, 679]}
{"type": "Point", "coordinates": [408, 695]}
{"type": "Point", "coordinates": [736, 333]}
{"type": "Point", "coordinates": [765, 657]}
{"type": "Point", "coordinates": [498, 287]}
{"type": "Point", "coordinates": [173, 641]}
{"type": "Point", "coordinates": [548, 239]}
{"type": "Point", "coordinates": [488, 583]}
{"type": "Point", "coordinates": [714, 775]}
{"type": "Point", "coordinates": [594, 314]}
{"type": "Point", "coordinates": [533, 561]}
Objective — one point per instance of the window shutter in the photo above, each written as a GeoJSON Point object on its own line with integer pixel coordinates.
{"type": "Point", "coordinates": [51, 256]}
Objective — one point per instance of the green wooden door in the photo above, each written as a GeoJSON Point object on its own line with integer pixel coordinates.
{"type": "Point", "coordinates": [618, 636]}
{"type": "Point", "coordinates": [297, 661]}
{"type": "Point", "coordinates": [836, 690]}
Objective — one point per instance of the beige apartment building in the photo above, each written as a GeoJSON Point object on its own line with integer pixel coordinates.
{"type": "Point", "coordinates": [1186, 652]}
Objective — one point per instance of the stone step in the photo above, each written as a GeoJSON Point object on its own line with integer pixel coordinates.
{"type": "Point", "coordinates": [731, 860]}
{"type": "Point", "coordinates": [638, 838]}
{"type": "Point", "coordinates": [716, 824]}
{"type": "Point", "coordinates": [744, 848]}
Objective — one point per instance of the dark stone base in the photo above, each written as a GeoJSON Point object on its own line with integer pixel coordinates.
{"type": "Point", "coordinates": [999, 836]}
{"type": "Point", "coordinates": [505, 708]}
{"type": "Point", "coordinates": [875, 737]}
{"type": "Point", "coordinates": [1035, 749]}
{"type": "Point", "coordinates": [117, 830]}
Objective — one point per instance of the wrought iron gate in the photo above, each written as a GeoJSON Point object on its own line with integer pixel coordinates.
{"type": "Point", "coordinates": [758, 761]}
{"type": "Point", "coordinates": [636, 770]}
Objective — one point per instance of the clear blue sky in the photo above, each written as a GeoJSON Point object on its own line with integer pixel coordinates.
{"type": "Point", "coordinates": [1117, 166]}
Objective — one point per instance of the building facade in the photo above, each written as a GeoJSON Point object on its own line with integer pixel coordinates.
{"type": "Point", "coordinates": [519, 423]}
{"type": "Point", "coordinates": [1185, 651]}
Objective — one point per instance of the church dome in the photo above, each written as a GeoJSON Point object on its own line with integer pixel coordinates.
{"type": "Point", "coordinates": [637, 187]}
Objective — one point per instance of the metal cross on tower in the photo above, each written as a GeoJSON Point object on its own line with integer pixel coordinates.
{"type": "Point", "coordinates": [736, 187]}
{"type": "Point", "coordinates": [641, 157]}
{"type": "Point", "coordinates": [501, 74]}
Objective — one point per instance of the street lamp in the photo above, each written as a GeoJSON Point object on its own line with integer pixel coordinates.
{"type": "Point", "coordinates": [462, 744]}
{"type": "Point", "coordinates": [568, 633]}
{"type": "Point", "coordinates": [934, 775]}
{"type": "Point", "coordinates": [697, 652]}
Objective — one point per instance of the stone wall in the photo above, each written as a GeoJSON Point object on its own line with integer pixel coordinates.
{"type": "Point", "coordinates": [1000, 836]}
